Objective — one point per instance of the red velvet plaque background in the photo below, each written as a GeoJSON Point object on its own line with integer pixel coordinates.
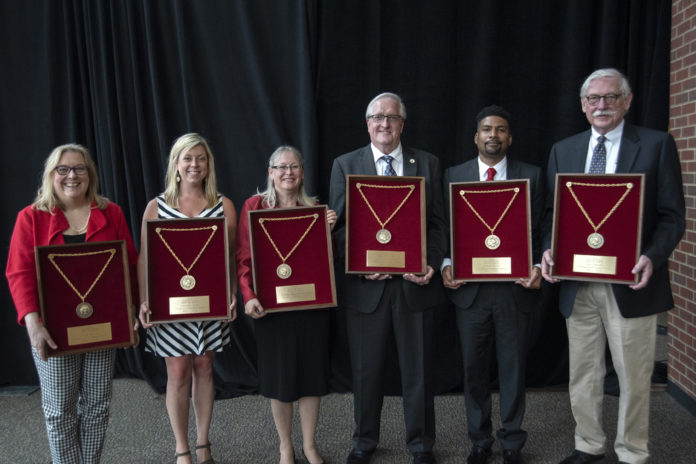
{"type": "Point", "coordinates": [211, 270]}
{"type": "Point", "coordinates": [621, 232]}
{"type": "Point", "coordinates": [311, 262]}
{"type": "Point", "coordinates": [110, 297]}
{"type": "Point", "coordinates": [468, 233]}
{"type": "Point", "coordinates": [407, 227]}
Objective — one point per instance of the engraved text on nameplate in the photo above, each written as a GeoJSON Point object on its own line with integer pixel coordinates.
{"type": "Point", "coordinates": [92, 333]}
{"type": "Point", "coordinates": [294, 293]}
{"type": "Point", "coordinates": [376, 258]}
{"type": "Point", "coordinates": [594, 264]}
{"type": "Point", "coordinates": [491, 265]}
{"type": "Point", "coordinates": [179, 305]}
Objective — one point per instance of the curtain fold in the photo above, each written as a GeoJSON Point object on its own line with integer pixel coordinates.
{"type": "Point", "coordinates": [127, 78]}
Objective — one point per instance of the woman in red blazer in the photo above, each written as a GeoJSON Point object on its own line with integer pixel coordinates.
{"type": "Point", "coordinates": [75, 389]}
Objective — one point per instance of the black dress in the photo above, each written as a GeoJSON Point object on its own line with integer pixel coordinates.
{"type": "Point", "coordinates": [292, 346]}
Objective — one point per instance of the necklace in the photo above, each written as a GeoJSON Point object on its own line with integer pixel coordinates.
{"type": "Point", "coordinates": [187, 282]}
{"type": "Point", "coordinates": [84, 309]}
{"type": "Point", "coordinates": [383, 235]}
{"type": "Point", "coordinates": [83, 229]}
{"type": "Point", "coordinates": [492, 241]}
{"type": "Point", "coordinates": [595, 240]}
{"type": "Point", "coordinates": [284, 270]}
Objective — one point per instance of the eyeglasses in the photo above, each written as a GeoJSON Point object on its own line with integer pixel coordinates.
{"type": "Point", "coordinates": [609, 99]}
{"type": "Point", "coordinates": [390, 117]}
{"type": "Point", "coordinates": [285, 167]}
{"type": "Point", "coordinates": [80, 170]}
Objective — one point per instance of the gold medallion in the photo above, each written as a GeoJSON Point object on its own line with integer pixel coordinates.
{"type": "Point", "coordinates": [492, 242]}
{"type": "Point", "coordinates": [383, 236]}
{"type": "Point", "coordinates": [595, 240]}
{"type": "Point", "coordinates": [187, 282]}
{"type": "Point", "coordinates": [84, 310]}
{"type": "Point", "coordinates": [284, 271]}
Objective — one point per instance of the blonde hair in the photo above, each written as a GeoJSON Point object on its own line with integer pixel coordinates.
{"type": "Point", "coordinates": [181, 146]}
{"type": "Point", "coordinates": [46, 198]}
{"type": "Point", "coordinates": [269, 196]}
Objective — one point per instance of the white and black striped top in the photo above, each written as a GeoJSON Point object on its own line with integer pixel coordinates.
{"type": "Point", "coordinates": [180, 338]}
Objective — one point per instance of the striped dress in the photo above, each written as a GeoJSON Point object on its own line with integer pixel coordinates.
{"type": "Point", "coordinates": [189, 337]}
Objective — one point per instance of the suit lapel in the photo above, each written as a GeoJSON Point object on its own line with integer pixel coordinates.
{"type": "Point", "coordinates": [577, 159]}
{"type": "Point", "coordinates": [629, 149]}
{"type": "Point", "coordinates": [367, 162]}
{"type": "Point", "coordinates": [410, 162]}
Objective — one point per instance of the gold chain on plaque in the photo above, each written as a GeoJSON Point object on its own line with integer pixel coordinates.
{"type": "Point", "coordinates": [284, 270]}
{"type": "Point", "coordinates": [383, 235]}
{"type": "Point", "coordinates": [187, 282]}
{"type": "Point", "coordinates": [84, 309]}
{"type": "Point", "coordinates": [492, 241]}
{"type": "Point", "coordinates": [595, 240]}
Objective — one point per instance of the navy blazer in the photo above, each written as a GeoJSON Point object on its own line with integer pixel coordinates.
{"type": "Point", "coordinates": [364, 295]}
{"type": "Point", "coordinates": [653, 153]}
{"type": "Point", "coordinates": [464, 296]}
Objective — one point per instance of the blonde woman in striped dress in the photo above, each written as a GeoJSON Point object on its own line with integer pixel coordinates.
{"type": "Point", "coordinates": [189, 347]}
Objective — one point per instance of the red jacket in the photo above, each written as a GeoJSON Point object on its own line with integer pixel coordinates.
{"type": "Point", "coordinates": [35, 228]}
{"type": "Point", "coordinates": [244, 274]}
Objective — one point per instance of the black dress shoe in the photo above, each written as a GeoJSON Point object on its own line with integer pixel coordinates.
{"type": "Point", "coordinates": [478, 455]}
{"type": "Point", "coordinates": [357, 456]}
{"type": "Point", "coordinates": [512, 457]}
{"type": "Point", "coordinates": [580, 457]}
{"type": "Point", "coordinates": [423, 457]}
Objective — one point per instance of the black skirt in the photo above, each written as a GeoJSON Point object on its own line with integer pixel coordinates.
{"type": "Point", "coordinates": [293, 354]}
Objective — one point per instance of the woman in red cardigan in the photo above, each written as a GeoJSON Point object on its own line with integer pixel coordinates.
{"type": "Point", "coordinates": [292, 347]}
{"type": "Point", "coordinates": [75, 389]}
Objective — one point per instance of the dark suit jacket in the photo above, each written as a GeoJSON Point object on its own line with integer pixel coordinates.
{"type": "Point", "coordinates": [364, 295]}
{"type": "Point", "coordinates": [653, 153]}
{"type": "Point", "coordinates": [464, 296]}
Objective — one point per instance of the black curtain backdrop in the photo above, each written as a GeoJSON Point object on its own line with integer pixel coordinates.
{"type": "Point", "coordinates": [125, 78]}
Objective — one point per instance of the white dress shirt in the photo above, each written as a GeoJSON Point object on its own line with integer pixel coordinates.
{"type": "Point", "coordinates": [397, 163]}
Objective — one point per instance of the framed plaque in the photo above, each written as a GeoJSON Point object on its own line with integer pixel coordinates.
{"type": "Point", "coordinates": [597, 226]}
{"type": "Point", "coordinates": [187, 269]}
{"type": "Point", "coordinates": [385, 225]}
{"type": "Point", "coordinates": [292, 258]}
{"type": "Point", "coordinates": [85, 296]}
{"type": "Point", "coordinates": [490, 230]}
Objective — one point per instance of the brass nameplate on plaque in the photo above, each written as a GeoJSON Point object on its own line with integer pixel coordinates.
{"type": "Point", "coordinates": [179, 305]}
{"type": "Point", "coordinates": [377, 258]}
{"type": "Point", "coordinates": [293, 293]}
{"type": "Point", "coordinates": [491, 265]}
{"type": "Point", "coordinates": [92, 333]}
{"type": "Point", "coordinates": [594, 264]}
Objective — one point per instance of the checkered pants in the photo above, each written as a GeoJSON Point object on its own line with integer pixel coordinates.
{"type": "Point", "coordinates": [76, 395]}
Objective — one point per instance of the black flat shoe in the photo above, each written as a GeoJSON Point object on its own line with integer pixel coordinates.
{"type": "Point", "coordinates": [357, 456]}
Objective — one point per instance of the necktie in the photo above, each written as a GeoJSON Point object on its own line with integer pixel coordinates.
{"type": "Point", "coordinates": [388, 169]}
{"type": "Point", "coordinates": [599, 157]}
{"type": "Point", "coordinates": [490, 173]}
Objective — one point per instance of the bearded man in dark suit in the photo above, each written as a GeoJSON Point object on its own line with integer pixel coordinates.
{"type": "Point", "coordinates": [378, 305]}
{"type": "Point", "coordinates": [493, 317]}
{"type": "Point", "coordinates": [625, 316]}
